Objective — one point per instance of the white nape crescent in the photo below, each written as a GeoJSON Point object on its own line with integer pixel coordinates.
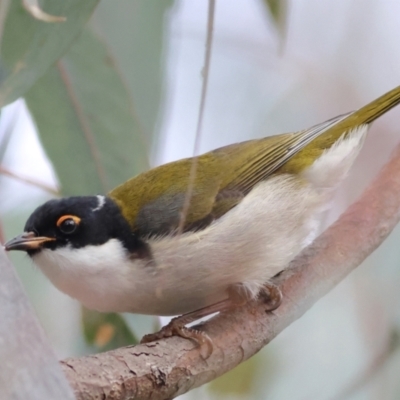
{"type": "Point", "coordinates": [102, 201]}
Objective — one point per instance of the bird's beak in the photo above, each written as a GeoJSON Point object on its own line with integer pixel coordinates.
{"type": "Point", "coordinates": [27, 241]}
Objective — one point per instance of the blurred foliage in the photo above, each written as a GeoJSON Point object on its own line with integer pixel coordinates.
{"type": "Point", "coordinates": [33, 7]}
{"type": "Point", "coordinates": [278, 12]}
{"type": "Point", "coordinates": [29, 47]}
{"type": "Point", "coordinates": [134, 32]}
{"type": "Point", "coordinates": [106, 331]}
{"type": "Point", "coordinates": [239, 381]}
{"type": "Point", "coordinates": [252, 379]}
{"type": "Point", "coordinates": [83, 112]}
{"type": "Point", "coordinates": [97, 108]}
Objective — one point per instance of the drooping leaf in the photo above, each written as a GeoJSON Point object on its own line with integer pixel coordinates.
{"type": "Point", "coordinates": [278, 10]}
{"type": "Point", "coordinates": [29, 46]}
{"type": "Point", "coordinates": [135, 31]}
{"type": "Point", "coordinates": [86, 121]}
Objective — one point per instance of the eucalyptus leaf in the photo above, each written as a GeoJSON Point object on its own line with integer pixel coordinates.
{"type": "Point", "coordinates": [135, 31]}
{"type": "Point", "coordinates": [29, 46]}
{"type": "Point", "coordinates": [86, 121]}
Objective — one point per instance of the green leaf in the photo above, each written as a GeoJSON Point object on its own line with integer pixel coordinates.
{"type": "Point", "coordinates": [135, 32]}
{"type": "Point", "coordinates": [29, 46]}
{"type": "Point", "coordinates": [86, 120]}
{"type": "Point", "coordinates": [106, 331]}
{"type": "Point", "coordinates": [278, 10]}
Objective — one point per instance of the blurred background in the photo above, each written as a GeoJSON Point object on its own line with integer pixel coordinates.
{"type": "Point", "coordinates": [125, 96]}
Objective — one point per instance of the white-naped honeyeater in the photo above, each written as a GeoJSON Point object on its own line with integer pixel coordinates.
{"type": "Point", "coordinates": [254, 206]}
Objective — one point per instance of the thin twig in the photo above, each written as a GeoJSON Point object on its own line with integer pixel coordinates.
{"type": "Point", "coordinates": [29, 181]}
{"type": "Point", "coordinates": [205, 73]}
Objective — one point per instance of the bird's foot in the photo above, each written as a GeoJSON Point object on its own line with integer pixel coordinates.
{"type": "Point", "coordinates": [237, 296]}
{"type": "Point", "coordinates": [177, 328]}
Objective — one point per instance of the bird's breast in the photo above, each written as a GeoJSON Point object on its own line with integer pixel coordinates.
{"type": "Point", "coordinates": [104, 278]}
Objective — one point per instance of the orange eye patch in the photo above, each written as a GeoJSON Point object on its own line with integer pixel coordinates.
{"type": "Point", "coordinates": [76, 219]}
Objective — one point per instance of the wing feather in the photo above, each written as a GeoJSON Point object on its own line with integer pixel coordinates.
{"type": "Point", "coordinates": [273, 153]}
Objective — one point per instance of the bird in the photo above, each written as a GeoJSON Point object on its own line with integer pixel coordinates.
{"type": "Point", "coordinates": [251, 207]}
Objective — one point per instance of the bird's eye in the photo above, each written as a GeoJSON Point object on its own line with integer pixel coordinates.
{"type": "Point", "coordinates": [68, 223]}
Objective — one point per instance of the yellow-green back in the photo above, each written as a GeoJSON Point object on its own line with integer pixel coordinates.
{"type": "Point", "coordinates": [152, 202]}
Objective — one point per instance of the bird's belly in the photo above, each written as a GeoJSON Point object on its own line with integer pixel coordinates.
{"type": "Point", "coordinates": [142, 292]}
{"type": "Point", "coordinates": [167, 301]}
{"type": "Point", "coordinates": [99, 282]}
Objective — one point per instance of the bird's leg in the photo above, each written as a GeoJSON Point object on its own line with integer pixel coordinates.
{"type": "Point", "coordinates": [238, 295]}
{"type": "Point", "coordinates": [176, 327]}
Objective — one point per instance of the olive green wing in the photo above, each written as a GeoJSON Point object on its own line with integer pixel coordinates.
{"type": "Point", "coordinates": [266, 156]}
{"type": "Point", "coordinates": [153, 201]}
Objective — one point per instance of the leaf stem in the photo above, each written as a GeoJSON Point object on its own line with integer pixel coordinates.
{"type": "Point", "coordinates": [205, 73]}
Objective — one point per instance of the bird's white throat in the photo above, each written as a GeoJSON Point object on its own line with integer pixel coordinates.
{"type": "Point", "coordinates": [92, 274]}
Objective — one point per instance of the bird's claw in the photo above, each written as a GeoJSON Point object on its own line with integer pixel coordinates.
{"type": "Point", "coordinates": [272, 296]}
{"type": "Point", "coordinates": [175, 328]}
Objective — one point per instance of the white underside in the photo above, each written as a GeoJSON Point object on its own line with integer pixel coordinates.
{"type": "Point", "coordinates": [250, 244]}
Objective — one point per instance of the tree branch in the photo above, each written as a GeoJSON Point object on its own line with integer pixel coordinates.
{"type": "Point", "coordinates": [165, 369]}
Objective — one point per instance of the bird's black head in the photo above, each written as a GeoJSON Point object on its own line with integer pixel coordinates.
{"type": "Point", "coordinates": [75, 222]}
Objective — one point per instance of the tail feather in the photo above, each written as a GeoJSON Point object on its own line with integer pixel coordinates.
{"type": "Point", "coordinates": [373, 110]}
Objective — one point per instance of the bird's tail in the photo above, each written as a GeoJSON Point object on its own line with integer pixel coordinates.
{"type": "Point", "coordinates": [373, 110]}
